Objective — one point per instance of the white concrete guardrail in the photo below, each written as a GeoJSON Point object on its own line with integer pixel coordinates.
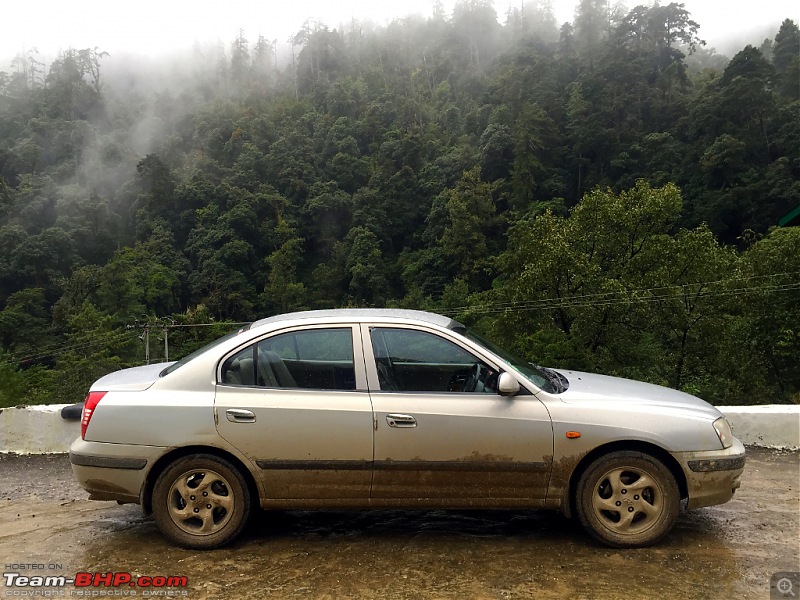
{"type": "Point", "coordinates": [42, 430]}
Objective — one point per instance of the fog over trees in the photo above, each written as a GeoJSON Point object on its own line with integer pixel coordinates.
{"type": "Point", "coordinates": [603, 195]}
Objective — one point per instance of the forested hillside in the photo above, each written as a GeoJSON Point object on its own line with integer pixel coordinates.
{"type": "Point", "coordinates": [603, 196]}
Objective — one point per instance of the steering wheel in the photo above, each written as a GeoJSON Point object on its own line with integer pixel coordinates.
{"type": "Point", "coordinates": [472, 379]}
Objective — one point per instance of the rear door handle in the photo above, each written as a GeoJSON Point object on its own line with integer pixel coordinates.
{"type": "Point", "coordinates": [397, 420]}
{"type": "Point", "coordinates": [240, 415]}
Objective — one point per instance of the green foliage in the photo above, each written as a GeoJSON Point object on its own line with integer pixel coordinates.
{"type": "Point", "coordinates": [786, 59]}
{"type": "Point", "coordinates": [13, 387]}
{"type": "Point", "coordinates": [613, 289]}
{"type": "Point", "coordinates": [365, 268]}
{"type": "Point", "coordinates": [284, 293]}
{"type": "Point", "coordinates": [93, 348]}
{"type": "Point", "coordinates": [24, 321]}
{"type": "Point", "coordinates": [769, 324]}
{"type": "Point", "coordinates": [601, 197]}
{"type": "Point", "coordinates": [469, 222]}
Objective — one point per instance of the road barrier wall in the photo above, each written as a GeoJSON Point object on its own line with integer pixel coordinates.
{"type": "Point", "coordinates": [42, 430]}
{"type": "Point", "coordinates": [768, 425]}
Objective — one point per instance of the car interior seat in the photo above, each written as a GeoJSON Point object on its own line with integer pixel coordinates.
{"type": "Point", "coordinates": [274, 371]}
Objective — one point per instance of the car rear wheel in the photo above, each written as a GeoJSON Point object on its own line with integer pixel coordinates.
{"type": "Point", "coordinates": [627, 499]}
{"type": "Point", "coordinates": [201, 502]}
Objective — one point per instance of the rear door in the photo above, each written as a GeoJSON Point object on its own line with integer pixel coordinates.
{"type": "Point", "coordinates": [443, 435]}
{"type": "Point", "coordinates": [296, 404]}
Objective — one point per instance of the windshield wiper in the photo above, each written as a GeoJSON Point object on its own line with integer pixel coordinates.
{"type": "Point", "coordinates": [563, 380]}
{"type": "Point", "coordinates": [558, 381]}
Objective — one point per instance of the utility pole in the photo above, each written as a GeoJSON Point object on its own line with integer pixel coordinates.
{"type": "Point", "coordinates": [145, 325]}
{"type": "Point", "coordinates": [166, 324]}
{"type": "Point", "coordinates": [146, 336]}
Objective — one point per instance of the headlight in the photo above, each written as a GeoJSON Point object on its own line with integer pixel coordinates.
{"type": "Point", "coordinates": [723, 429]}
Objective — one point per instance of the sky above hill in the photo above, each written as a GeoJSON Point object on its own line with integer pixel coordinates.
{"type": "Point", "coordinates": [154, 27]}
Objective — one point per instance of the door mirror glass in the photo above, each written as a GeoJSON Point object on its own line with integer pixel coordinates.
{"type": "Point", "coordinates": [507, 385]}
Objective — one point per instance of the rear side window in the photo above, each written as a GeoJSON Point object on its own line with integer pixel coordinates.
{"type": "Point", "coordinates": [310, 359]}
{"type": "Point", "coordinates": [313, 345]}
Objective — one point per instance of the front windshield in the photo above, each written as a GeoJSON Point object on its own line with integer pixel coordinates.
{"type": "Point", "coordinates": [196, 353]}
{"type": "Point", "coordinates": [531, 372]}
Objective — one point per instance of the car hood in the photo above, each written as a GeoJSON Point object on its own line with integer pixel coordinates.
{"type": "Point", "coordinates": [589, 387]}
{"type": "Point", "coordinates": [134, 379]}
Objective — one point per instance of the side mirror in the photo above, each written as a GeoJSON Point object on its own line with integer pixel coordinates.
{"type": "Point", "coordinates": [507, 385]}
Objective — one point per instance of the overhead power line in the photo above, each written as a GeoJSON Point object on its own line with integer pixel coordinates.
{"type": "Point", "coordinates": [634, 296]}
{"type": "Point", "coordinates": [164, 324]}
{"type": "Point", "coordinates": [74, 347]}
{"type": "Point", "coordinates": [110, 337]}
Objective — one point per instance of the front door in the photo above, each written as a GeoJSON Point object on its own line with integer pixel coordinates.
{"type": "Point", "coordinates": [443, 435]}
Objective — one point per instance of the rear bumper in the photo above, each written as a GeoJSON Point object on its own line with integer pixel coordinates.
{"type": "Point", "coordinates": [112, 471]}
{"type": "Point", "coordinates": [712, 477]}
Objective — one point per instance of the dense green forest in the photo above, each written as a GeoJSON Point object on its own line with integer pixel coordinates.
{"type": "Point", "coordinates": [600, 196]}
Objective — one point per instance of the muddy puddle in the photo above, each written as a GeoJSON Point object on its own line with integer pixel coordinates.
{"type": "Point", "coordinates": [729, 551]}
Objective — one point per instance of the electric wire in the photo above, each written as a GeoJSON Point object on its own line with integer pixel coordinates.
{"type": "Point", "coordinates": [593, 300]}
{"type": "Point", "coordinates": [73, 347]}
{"type": "Point", "coordinates": [605, 299]}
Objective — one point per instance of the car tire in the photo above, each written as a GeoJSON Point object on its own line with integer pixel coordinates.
{"type": "Point", "coordinates": [627, 499]}
{"type": "Point", "coordinates": [201, 502]}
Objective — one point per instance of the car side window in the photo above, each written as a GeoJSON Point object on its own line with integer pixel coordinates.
{"type": "Point", "coordinates": [240, 369]}
{"type": "Point", "coordinates": [409, 360]}
{"type": "Point", "coordinates": [313, 359]}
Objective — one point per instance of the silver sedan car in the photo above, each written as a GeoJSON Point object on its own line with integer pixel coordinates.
{"type": "Point", "coordinates": [371, 408]}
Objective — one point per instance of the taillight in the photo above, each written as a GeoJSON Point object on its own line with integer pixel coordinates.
{"type": "Point", "coordinates": [88, 408]}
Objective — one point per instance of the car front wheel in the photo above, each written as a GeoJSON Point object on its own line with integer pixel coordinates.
{"type": "Point", "coordinates": [627, 499]}
{"type": "Point", "coordinates": [201, 502]}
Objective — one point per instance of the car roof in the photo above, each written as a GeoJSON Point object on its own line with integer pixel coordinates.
{"type": "Point", "coordinates": [363, 314]}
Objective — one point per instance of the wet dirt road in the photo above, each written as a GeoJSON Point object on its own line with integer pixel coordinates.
{"type": "Point", "coordinates": [728, 551]}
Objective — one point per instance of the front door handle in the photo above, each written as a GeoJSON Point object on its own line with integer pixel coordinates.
{"type": "Point", "coordinates": [397, 420]}
{"type": "Point", "coordinates": [240, 415]}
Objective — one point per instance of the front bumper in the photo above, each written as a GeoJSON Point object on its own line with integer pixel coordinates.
{"type": "Point", "coordinates": [712, 477]}
{"type": "Point", "coordinates": [112, 471]}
